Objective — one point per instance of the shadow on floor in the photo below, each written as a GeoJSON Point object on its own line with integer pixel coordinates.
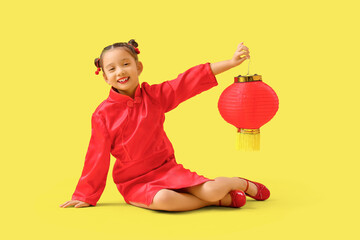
{"type": "Point", "coordinates": [204, 209]}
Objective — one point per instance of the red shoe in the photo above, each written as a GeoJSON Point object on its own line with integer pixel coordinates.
{"type": "Point", "coordinates": [238, 199]}
{"type": "Point", "coordinates": [262, 192]}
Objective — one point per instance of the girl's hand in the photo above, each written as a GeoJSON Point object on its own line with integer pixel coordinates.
{"type": "Point", "coordinates": [75, 203]}
{"type": "Point", "coordinates": [241, 54]}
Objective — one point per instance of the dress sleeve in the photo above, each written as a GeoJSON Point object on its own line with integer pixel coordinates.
{"type": "Point", "coordinates": [97, 160]}
{"type": "Point", "coordinates": [188, 84]}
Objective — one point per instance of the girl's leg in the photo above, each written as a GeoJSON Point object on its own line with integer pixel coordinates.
{"type": "Point", "coordinates": [213, 191]}
{"type": "Point", "coordinates": [170, 200]}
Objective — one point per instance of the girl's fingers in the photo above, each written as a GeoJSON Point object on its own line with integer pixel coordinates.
{"type": "Point", "coordinates": [75, 203]}
{"type": "Point", "coordinates": [243, 52]}
{"type": "Point", "coordinates": [241, 61]}
{"type": "Point", "coordinates": [241, 46]}
{"type": "Point", "coordinates": [62, 205]}
{"type": "Point", "coordinates": [244, 48]}
{"type": "Point", "coordinates": [241, 58]}
{"type": "Point", "coordinates": [82, 204]}
{"type": "Point", "coordinates": [70, 203]}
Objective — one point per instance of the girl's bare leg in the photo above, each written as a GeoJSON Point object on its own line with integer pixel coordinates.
{"type": "Point", "coordinates": [170, 200]}
{"type": "Point", "coordinates": [213, 191]}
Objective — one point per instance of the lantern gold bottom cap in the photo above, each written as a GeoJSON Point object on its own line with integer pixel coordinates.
{"type": "Point", "coordinates": [248, 131]}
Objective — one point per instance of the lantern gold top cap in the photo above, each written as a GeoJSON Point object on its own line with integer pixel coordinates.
{"type": "Point", "coordinates": [248, 78]}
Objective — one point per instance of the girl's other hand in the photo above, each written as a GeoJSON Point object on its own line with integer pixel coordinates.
{"type": "Point", "coordinates": [241, 54]}
{"type": "Point", "coordinates": [75, 203]}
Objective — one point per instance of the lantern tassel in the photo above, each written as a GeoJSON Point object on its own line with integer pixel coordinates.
{"type": "Point", "coordinates": [248, 139]}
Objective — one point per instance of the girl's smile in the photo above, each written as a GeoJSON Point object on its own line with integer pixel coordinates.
{"type": "Point", "coordinates": [123, 80]}
{"type": "Point", "coordinates": [122, 71]}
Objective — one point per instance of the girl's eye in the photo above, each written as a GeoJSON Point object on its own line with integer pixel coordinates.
{"type": "Point", "coordinates": [111, 69]}
{"type": "Point", "coordinates": [126, 64]}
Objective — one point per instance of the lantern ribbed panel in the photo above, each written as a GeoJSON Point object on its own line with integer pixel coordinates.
{"type": "Point", "coordinates": [248, 104]}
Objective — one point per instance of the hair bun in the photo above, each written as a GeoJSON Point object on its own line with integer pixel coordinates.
{"type": "Point", "coordinates": [97, 62]}
{"type": "Point", "coordinates": [133, 43]}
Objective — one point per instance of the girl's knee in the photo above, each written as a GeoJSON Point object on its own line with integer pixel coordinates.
{"type": "Point", "coordinates": [215, 190]}
{"type": "Point", "coordinates": [163, 199]}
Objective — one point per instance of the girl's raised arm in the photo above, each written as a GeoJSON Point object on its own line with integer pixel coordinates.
{"type": "Point", "coordinates": [188, 84]}
{"type": "Point", "coordinates": [195, 80]}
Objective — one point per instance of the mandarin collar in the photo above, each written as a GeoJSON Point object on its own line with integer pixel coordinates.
{"type": "Point", "coordinates": [118, 97]}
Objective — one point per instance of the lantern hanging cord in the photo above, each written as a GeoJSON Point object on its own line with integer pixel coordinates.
{"type": "Point", "coordinates": [249, 67]}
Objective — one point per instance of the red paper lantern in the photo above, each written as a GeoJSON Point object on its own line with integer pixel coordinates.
{"type": "Point", "coordinates": [248, 104]}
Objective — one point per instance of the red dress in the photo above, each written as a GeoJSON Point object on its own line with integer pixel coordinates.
{"type": "Point", "coordinates": [131, 129]}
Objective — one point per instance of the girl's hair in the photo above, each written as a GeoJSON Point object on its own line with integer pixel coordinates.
{"type": "Point", "coordinates": [128, 46]}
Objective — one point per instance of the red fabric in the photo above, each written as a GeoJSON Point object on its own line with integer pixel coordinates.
{"type": "Point", "coordinates": [132, 131]}
{"type": "Point", "coordinates": [248, 105]}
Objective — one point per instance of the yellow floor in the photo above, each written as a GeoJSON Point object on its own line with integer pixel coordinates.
{"type": "Point", "coordinates": [294, 211]}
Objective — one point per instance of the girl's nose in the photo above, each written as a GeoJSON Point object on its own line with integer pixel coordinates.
{"type": "Point", "coordinates": [121, 72]}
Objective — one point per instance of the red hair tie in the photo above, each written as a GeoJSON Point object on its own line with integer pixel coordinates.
{"type": "Point", "coordinates": [136, 49]}
{"type": "Point", "coordinates": [97, 71]}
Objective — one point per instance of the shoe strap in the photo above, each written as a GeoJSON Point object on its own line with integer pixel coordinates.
{"type": "Point", "coordinates": [219, 202]}
{"type": "Point", "coordinates": [247, 185]}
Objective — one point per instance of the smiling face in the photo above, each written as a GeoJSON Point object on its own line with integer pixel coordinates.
{"type": "Point", "coordinates": [121, 70]}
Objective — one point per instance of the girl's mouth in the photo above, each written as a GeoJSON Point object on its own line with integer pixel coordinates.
{"type": "Point", "coordinates": [124, 80]}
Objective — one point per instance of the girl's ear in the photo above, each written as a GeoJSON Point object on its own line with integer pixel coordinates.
{"type": "Point", "coordinates": [140, 67]}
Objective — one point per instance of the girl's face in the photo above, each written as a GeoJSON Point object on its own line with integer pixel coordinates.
{"type": "Point", "coordinates": [120, 65]}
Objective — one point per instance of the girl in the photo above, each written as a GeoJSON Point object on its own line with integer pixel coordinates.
{"type": "Point", "coordinates": [129, 125]}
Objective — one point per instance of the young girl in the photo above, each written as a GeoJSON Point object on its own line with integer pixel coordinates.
{"type": "Point", "coordinates": [129, 125]}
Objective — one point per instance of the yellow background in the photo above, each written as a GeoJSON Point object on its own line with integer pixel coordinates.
{"type": "Point", "coordinates": [307, 51]}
